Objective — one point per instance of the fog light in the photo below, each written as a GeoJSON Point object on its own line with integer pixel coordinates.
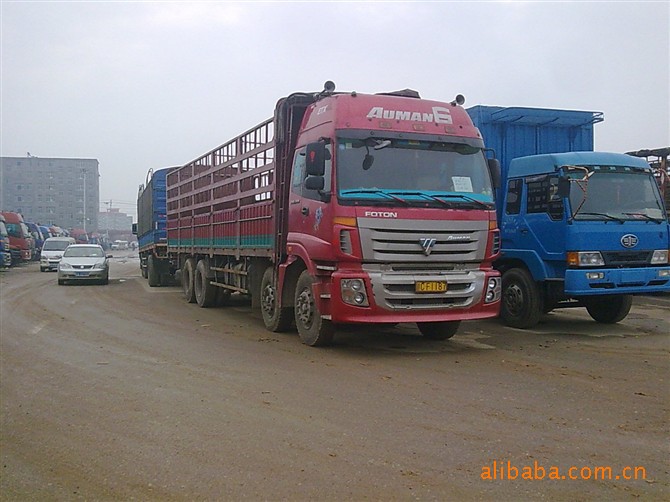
{"type": "Point", "coordinates": [595, 275]}
{"type": "Point", "coordinates": [664, 273]}
{"type": "Point", "coordinates": [353, 292]}
{"type": "Point", "coordinates": [492, 290]}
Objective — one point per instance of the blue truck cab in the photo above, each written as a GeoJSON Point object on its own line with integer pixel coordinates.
{"type": "Point", "coordinates": [578, 228]}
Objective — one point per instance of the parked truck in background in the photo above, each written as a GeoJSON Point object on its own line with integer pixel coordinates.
{"type": "Point", "coordinates": [343, 208]}
{"type": "Point", "coordinates": [20, 241]}
{"type": "Point", "coordinates": [151, 229]}
{"type": "Point", "coordinates": [5, 254]}
{"type": "Point", "coordinates": [578, 228]}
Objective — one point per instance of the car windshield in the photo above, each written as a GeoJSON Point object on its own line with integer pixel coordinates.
{"type": "Point", "coordinates": [408, 171]}
{"type": "Point", "coordinates": [618, 193]}
{"type": "Point", "coordinates": [55, 245]}
{"type": "Point", "coordinates": [83, 252]}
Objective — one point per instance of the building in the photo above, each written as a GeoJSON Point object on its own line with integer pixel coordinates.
{"type": "Point", "coordinates": [52, 191]}
{"type": "Point", "coordinates": [114, 221]}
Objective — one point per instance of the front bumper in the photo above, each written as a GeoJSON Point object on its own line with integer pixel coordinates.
{"type": "Point", "coordinates": [392, 300]}
{"type": "Point", "coordinates": [582, 282]}
{"type": "Point", "coordinates": [82, 275]}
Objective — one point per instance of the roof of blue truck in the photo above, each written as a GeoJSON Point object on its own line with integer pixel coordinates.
{"type": "Point", "coordinates": [546, 163]}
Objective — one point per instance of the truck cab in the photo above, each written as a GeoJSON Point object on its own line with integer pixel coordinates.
{"type": "Point", "coordinates": [580, 229]}
{"type": "Point", "coordinates": [5, 255]}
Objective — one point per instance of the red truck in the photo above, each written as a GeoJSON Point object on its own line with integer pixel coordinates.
{"type": "Point", "coordinates": [21, 243]}
{"type": "Point", "coordinates": [343, 208]}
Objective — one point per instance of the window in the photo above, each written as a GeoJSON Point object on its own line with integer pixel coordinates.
{"type": "Point", "coordinates": [542, 197]}
{"type": "Point", "coordinates": [513, 202]}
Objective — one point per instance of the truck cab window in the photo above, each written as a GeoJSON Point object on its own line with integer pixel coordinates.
{"type": "Point", "coordinates": [542, 197]}
{"type": "Point", "coordinates": [300, 174]}
{"type": "Point", "coordinates": [513, 202]}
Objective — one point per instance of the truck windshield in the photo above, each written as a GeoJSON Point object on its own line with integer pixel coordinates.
{"type": "Point", "coordinates": [619, 193]}
{"type": "Point", "coordinates": [15, 230]}
{"type": "Point", "coordinates": [410, 172]}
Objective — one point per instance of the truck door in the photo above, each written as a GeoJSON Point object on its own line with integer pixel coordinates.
{"type": "Point", "coordinates": [309, 212]}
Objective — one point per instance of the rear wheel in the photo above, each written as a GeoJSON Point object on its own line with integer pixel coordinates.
{"type": "Point", "coordinates": [312, 328]}
{"type": "Point", "coordinates": [205, 293]}
{"type": "Point", "coordinates": [187, 273]}
{"type": "Point", "coordinates": [609, 309]}
{"type": "Point", "coordinates": [153, 274]}
{"type": "Point", "coordinates": [438, 330]}
{"type": "Point", "coordinates": [521, 301]}
{"type": "Point", "coordinates": [275, 317]}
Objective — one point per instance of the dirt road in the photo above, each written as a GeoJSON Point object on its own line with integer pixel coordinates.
{"type": "Point", "coordinates": [125, 392]}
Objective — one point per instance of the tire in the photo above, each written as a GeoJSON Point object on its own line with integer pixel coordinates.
{"type": "Point", "coordinates": [61, 282]}
{"type": "Point", "coordinates": [312, 328]}
{"type": "Point", "coordinates": [275, 317]}
{"type": "Point", "coordinates": [205, 293]}
{"type": "Point", "coordinates": [104, 281]}
{"type": "Point", "coordinates": [153, 274]}
{"type": "Point", "coordinates": [521, 299]}
{"type": "Point", "coordinates": [42, 269]}
{"type": "Point", "coordinates": [145, 271]}
{"type": "Point", "coordinates": [609, 309]}
{"type": "Point", "coordinates": [442, 330]}
{"type": "Point", "coordinates": [187, 282]}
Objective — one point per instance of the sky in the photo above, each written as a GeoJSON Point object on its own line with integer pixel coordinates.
{"type": "Point", "coordinates": [146, 85]}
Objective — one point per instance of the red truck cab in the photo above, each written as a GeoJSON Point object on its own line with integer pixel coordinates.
{"type": "Point", "coordinates": [20, 241]}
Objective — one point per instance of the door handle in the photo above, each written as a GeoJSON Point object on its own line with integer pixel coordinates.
{"type": "Point", "coordinates": [305, 211]}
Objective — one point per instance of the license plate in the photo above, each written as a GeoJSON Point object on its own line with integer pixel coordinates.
{"type": "Point", "coordinates": [81, 274]}
{"type": "Point", "coordinates": [430, 286]}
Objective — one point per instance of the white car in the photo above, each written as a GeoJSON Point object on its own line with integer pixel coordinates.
{"type": "Point", "coordinates": [52, 251]}
{"type": "Point", "coordinates": [83, 262]}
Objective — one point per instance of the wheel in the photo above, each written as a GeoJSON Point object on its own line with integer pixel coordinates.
{"type": "Point", "coordinates": [61, 282]}
{"type": "Point", "coordinates": [153, 274]}
{"type": "Point", "coordinates": [187, 275]}
{"type": "Point", "coordinates": [609, 309]}
{"type": "Point", "coordinates": [42, 269]}
{"type": "Point", "coordinates": [521, 300]}
{"type": "Point", "coordinates": [312, 328]}
{"type": "Point", "coordinates": [104, 281]}
{"type": "Point", "coordinates": [205, 293]}
{"type": "Point", "coordinates": [438, 330]}
{"type": "Point", "coordinates": [275, 317]}
{"type": "Point", "coordinates": [145, 271]}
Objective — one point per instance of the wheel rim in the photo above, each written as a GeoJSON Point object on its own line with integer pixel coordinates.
{"type": "Point", "coordinates": [305, 308]}
{"type": "Point", "coordinates": [268, 300]}
{"type": "Point", "coordinates": [514, 299]}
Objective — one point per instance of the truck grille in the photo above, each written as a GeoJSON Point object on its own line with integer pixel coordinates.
{"type": "Point", "coordinates": [422, 241]}
{"type": "Point", "coordinates": [626, 258]}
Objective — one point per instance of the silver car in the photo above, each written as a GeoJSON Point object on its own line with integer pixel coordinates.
{"type": "Point", "coordinates": [83, 262]}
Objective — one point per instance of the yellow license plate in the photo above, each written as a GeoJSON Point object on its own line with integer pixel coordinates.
{"type": "Point", "coordinates": [430, 286]}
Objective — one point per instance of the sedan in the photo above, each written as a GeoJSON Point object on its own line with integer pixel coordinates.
{"type": "Point", "coordinates": [83, 262]}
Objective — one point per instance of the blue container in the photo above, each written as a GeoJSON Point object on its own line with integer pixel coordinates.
{"type": "Point", "coordinates": [152, 210]}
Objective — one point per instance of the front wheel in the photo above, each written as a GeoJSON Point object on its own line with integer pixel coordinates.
{"type": "Point", "coordinates": [205, 292]}
{"type": "Point", "coordinates": [609, 309]}
{"type": "Point", "coordinates": [312, 328]}
{"type": "Point", "coordinates": [521, 299]}
{"type": "Point", "coordinates": [275, 317]}
{"type": "Point", "coordinates": [442, 330]}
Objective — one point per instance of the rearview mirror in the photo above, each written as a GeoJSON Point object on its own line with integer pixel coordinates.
{"type": "Point", "coordinates": [315, 161]}
{"type": "Point", "coordinates": [494, 170]}
{"type": "Point", "coordinates": [563, 187]}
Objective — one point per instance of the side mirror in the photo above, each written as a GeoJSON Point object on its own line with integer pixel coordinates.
{"type": "Point", "coordinates": [316, 159]}
{"type": "Point", "coordinates": [494, 169]}
{"type": "Point", "coordinates": [563, 187]}
{"type": "Point", "coordinates": [134, 228]}
{"type": "Point", "coordinates": [315, 183]}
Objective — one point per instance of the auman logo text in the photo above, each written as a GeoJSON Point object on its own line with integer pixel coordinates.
{"type": "Point", "coordinates": [440, 115]}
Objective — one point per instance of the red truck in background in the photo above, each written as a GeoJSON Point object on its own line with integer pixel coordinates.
{"type": "Point", "coordinates": [21, 243]}
{"type": "Point", "coordinates": [343, 208]}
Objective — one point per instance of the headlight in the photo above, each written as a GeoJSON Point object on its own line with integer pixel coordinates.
{"type": "Point", "coordinates": [585, 259]}
{"type": "Point", "coordinates": [64, 266]}
{"type": "Point", "coordinates": [493, 290]}
{"type": "Point", "coordinates": [660, 257]}
{"type": "Point", "coordinates": [99, 266]}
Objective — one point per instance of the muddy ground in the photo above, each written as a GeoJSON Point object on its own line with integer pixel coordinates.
{"type": "Point", "coordinates": [125, 392]}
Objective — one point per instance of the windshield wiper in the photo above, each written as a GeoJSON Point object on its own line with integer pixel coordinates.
{"type": "Point", "coordinates": [650, 218]}
{"type": "Point", "coordinates": [374, 191]}
{"type": "Point", "coordinates": [425, 196]}
{"type": "Point", "coordinates": [465, 198]}
{"type": "Point", "coordinates": [620, 220]}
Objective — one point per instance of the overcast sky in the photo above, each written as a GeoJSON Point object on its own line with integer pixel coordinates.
{"type": "Point", "coordinates": [141, 85]}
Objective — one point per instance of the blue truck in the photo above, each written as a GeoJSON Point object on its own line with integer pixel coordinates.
{"type": "Point", "coordinates": [578, 228]}
{"type": "Point", "coordinates": [151, 228]}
